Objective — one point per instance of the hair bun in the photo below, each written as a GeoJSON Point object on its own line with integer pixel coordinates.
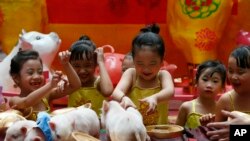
{"type": "Point", "coordinates": [84, 37]}
{"type": "Point", "coordinates": [151, 28]}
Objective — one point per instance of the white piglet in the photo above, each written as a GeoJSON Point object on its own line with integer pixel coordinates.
{"type": "Point", "coordinates": [18, 130]}
{"type": "Point", "coordinates": [121, 124]}
{"type": "Point", "coordinates": [81, 119]}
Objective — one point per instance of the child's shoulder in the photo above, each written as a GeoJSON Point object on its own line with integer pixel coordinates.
{"type": "Point", "coordinates": [187, 104]}
{"type": "Point", "coordinates": [130, 72]}
{"type": "Point", "coordinates": [226, 96]}
{"type": "Point", "coordinates": [164, 74]}
{"type": "Point", "coordinates": [225, 99]}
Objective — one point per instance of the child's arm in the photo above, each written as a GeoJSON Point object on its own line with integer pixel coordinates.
{"type": "Point", "coordinates": [166, 92]}
{"type": "Point", "coordinates": [123, 87]}
{"type": "Point", "coordinates": [105, 84]}
{"type": "Point", "coordinates": [73, 83]}
{"type": "Point", "coordinates": [222, 104]}
{"type": "Point", "coordinates": [182, 115]}
{"type": "Point", "coordinates": [35, 97]}
{"type": "Point", "coordinates": [222, 131]}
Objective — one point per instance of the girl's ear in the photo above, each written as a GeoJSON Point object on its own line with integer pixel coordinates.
{"type": "Point", "coordinates": [223, 90]}
{"type": "Point", "coordinates": [16, 79]}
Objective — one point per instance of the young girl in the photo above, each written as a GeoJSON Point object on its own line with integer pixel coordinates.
{"type": "Point", "coordinates": [239, 76]}
{"type": "Point", "coordinates": [127, 62]}
{"type": "Point", "coordinates": [27, 72]}
{"type": "Point", "coordinates": [85, 58]}
{"type": "Point", "coordinates": [210, 80]}
{"type": "Point", "coordinates": [146, 86]}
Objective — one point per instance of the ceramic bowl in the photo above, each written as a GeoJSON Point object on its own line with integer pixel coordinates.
{"type": "Point", "coordinates": [165, 131]}
{"type": "Point", "coordinates": [79, 136]}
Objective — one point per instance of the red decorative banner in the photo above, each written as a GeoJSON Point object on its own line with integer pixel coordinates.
{"type": "Point", "coordinates": [205, 39]}
{"type": "Point", "coordinates": [1, 17]}
{"type": "Point", "coordinates": [107, 11]}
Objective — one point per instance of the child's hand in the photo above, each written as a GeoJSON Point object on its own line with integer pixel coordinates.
{"type": "Point", "coordinates": [64, 56]}
{"type": "Point", "coordinates": [63, 84]}
{"type": "Point", "coordinates": [57, 76]}
{"type": "Point", "coordinates": [152, 103]}
{"type": "Point", "coordinates": [127, 102]}
{"type": "Point", "coordinates": [100, 56]}
{"type": "Point", "coordinates": [207, 118]}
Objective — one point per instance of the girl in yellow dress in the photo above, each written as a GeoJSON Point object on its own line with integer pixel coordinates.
{"type": "Point", "coordinates": [27, 72]}
{"type": "Point", "coordinates": [84, 59]}
{"type": "Point", "coordinates": [146, 86]}
{"type": "Point", "coordinates": [210, 80]}
{"type": "Point", "coordinates": [239, 76]}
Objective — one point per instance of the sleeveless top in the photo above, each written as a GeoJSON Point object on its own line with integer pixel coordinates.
{"type": "Point", "coordinates": [87, 95]}
{"type": "Point", "coordinates": [160, 115]}
{"type": "Point", "coordinates": [193, 119]}
{"type": "Point", "coordinates": [232, 103]}
{"type": "Point", "coordinates": [31, 114]}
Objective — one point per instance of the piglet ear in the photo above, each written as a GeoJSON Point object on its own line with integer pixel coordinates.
{"type": "Point", "coordinates": [25, 45]}
{"type": "Point", "coordinates": [87, 105]}
{"type": "Point", "coordinates": [23, 130]}
{"type": "Point", "coordinates": [105, 106]}
{"type": "Point", "coordinates": [37, 138]}
{"type": "Point", "coordinates": [52, 126]}
{"type": "Point", "coordinates": [23, 31]}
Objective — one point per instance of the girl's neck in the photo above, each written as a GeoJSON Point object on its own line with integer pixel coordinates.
{"type": "Point", "coordinates": [89, 83]}
{"type": "Point", "coordinates": [147, 83]}
{"type": "Point", "coordinates": [206, 101]}
{"type": "Point", "coordinates": [23, 93]}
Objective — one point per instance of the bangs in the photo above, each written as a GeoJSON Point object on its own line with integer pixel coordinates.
{"type": "Point", "coordinates": [82, 52]}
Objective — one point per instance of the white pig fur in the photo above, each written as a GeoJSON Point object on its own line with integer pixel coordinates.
{"type": "Point", "coordinates": [121, 124]}
{"type": "Point", "coordinates": [35, 134]}
{"type": "Point", "coordinates": [81, 119]}
{"type": "Point", "coordinates": [46, 44]}
{"type": "Point", "coordinates": [18, 130]}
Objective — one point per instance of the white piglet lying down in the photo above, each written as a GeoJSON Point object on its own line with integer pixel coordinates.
{"type": "Point", "coordinates": [121, 124]}
{"type": "Point", "coordinates": [18, 130]}
{"type": "Point", "coordinates": [81, 119]}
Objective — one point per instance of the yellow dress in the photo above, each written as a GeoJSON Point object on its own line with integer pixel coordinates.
{"type": "Point", "coordinates": [232, 103]}
{"type": "Point", "coordinates": [31, 114]}
{"type": "Point", "coordinates": [87, 95]}
{"type": "Point", "coordinates": [193, 118]}
{"type": "Point", "coordinates": [161, 113]}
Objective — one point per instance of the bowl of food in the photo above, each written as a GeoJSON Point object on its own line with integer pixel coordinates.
{"type": "Point", "coordinates": [165, 131]}
{"type": "Point", "coordinates": [80, 136]}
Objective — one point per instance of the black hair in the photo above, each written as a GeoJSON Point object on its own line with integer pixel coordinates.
{"type": "Point", "coordinates": [151, 28]}
{"type": "Point", "coordinates": [216, 67]}
{"type": "Point", "coordinates": [242, 56]}
{"type": "Point", "coordinates": [83, 46]}
{"type": "Point", "coordinates": [20, 58]}
{"type": "Point", "coordinates": [154, 41]}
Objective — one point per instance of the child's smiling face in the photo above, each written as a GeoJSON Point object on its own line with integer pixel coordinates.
{"type": "Point", "coordinates": [147, 63]}
{"type": "Point", "coordinates": [31, 76]}
{"type": "Point", "coordinates": [239, 77]}
{"type": "Point", "coordinates": [84, 68]}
